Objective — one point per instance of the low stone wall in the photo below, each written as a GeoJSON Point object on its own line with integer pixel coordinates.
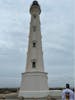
{"type": "Point", "coordinates": [54, 95]}
{"type": "Point", "coordinates": [33, 99]}
{"type": "Point", "coordinates": [51, 98]}
{"type": "Point", "coordinates": [45, 98]}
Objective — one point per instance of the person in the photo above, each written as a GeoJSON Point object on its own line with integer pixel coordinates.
{"type": "Point", "coordinates": [74, 93]}
{"type": "Point", "coordinates": [67, 93]}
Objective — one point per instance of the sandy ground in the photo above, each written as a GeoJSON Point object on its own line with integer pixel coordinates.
{"type": "Point", "coordinates": [9, 96]}
{"type": "Point", "coordinates": [14, 96]}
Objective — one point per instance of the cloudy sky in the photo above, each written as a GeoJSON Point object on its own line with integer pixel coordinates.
{"type": "Point", "coordinates": [57, 39]}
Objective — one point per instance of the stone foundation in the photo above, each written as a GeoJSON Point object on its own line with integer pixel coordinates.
{"type": "Point", "coordinates": [34, 84]}
{"type": "Point", "coordinates": [44, 98]}
{"type": "Point", "coordinates": [54, 95]}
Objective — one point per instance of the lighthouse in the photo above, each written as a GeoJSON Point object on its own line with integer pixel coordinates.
{"type": "Point", "coordinates": [34, 81]}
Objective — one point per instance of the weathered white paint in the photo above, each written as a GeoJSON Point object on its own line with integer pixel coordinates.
{"type": "Point", "coordinates": [34, 80]}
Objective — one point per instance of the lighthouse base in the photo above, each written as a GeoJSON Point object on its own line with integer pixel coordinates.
{"type": "Point", "coordinates": [34, 85]}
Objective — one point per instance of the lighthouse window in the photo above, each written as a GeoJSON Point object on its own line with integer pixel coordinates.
{"type": "Point", "coordinates": [34, 28]}
{"type": "Point", "coordinates": [33, 64]}
{"type": "Point", "coordinates": [34, 16]}
{"type": "Point", "coordinates": [34, 44]}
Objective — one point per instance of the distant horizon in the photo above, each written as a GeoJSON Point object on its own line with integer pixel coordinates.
{"type": "Point", "coordinates": [18, 82]}
{"type": "Point", "coordinates": [48, 87]}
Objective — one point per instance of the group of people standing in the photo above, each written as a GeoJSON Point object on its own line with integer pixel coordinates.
{"type": "Point", "coordinates": [68, 94]}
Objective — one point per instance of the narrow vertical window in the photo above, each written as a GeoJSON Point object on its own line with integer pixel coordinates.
{"type": "Point", "coordinates": [33, 64]}
{"type": "Point", "coordinates": [34, 16]}
{"type": "Point", "coordinates": [34, 44]}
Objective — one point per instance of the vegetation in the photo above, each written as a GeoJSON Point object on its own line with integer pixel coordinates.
{"type": "Point", "coordinates": [8, 90]}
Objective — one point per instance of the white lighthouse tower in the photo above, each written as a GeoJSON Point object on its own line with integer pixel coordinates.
{"type": "Point", "coordinates": [34, 80]}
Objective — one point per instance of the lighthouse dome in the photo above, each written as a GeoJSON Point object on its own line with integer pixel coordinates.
{"type": "Point", "coordinates": [35, 7]}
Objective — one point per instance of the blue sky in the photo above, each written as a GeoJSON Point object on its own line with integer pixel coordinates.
{"type": "Point", "coordinates": [57, 39]}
